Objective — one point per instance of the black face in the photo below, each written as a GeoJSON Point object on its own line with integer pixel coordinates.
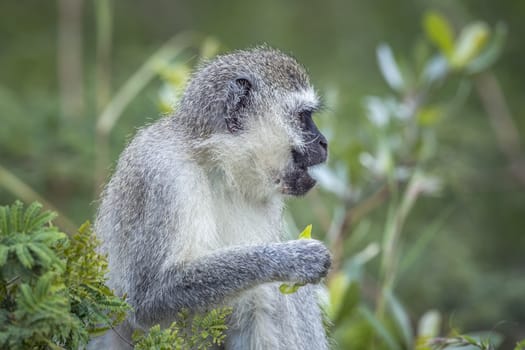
{"type": "Point", "coordinates": [297, 181]}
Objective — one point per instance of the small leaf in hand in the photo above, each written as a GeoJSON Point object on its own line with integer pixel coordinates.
{"type": "Point", "coordinates": [290, 289]}
{"type": "Point", "coordinates": [307, 233]}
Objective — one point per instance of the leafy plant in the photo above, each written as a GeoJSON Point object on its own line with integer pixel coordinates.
{"type": "Point", "coordinates": [53, 293]}
{"type": "Point", "coordinates": [188, 332]}
{"type": "Point", "coordinates": [52, 287]}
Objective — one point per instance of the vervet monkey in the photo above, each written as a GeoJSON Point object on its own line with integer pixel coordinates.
{"type": "Point", "coordinates": [192, 217]}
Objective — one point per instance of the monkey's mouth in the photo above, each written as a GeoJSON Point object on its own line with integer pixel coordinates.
{"type": "Point", "coordinates": [297, 182]}
{"type": "Point", "coordinates": [306, 171]}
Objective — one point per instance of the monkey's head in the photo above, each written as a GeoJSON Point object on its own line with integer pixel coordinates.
{"type": "Point", "coordinates": [250, 114]}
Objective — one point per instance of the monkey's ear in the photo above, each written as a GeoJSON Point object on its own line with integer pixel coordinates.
{"type": "Point", "coordinates": [237, 100]}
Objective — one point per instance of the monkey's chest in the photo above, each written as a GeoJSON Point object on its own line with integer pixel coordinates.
{"type": "Point", "coordinates": [247, 224]}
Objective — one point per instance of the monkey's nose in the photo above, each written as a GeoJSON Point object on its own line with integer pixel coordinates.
{"type": "Point", "coordinates": [323, 149]}
{"type": "Point", "coordinates": [324, 144]}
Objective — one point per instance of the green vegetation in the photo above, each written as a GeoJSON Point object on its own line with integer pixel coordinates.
{"type": "Point", "coordinates": [198, 332]}
{"type": "Point", "coordinates": [53, 293]}
{"type": "Point", "coordinates": [398, 174]}
{"type": "Point", "coordinates": [52, 288]}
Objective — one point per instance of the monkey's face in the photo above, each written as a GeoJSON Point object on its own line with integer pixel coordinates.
{"type": "Point", "coordinates": [283, 142]}
{"type": "Point", "coordinates": [257, 109]}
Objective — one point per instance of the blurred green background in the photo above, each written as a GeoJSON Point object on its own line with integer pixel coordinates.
{"type": "Point", "coordinates": [460, 250]}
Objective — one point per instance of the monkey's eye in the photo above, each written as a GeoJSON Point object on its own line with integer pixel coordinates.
{"type": "Point", "coordinates": [305, 114]}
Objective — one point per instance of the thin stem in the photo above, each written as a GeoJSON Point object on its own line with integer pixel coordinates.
{"type": "Point", "coordinates": [69, 55]}
{"type": "Point", "coordinates": [122, 338]}
{"type": "Point", "coordinates": [507, 134]}
{"type": "Point", "coordinates": [104, 25]}
{"type": "Point", "coordinates": [131, 88]}
{"type": "Point", "coordinates": [112, 112]}
{"type": "Point", "coordinates": [104, 21]}
{"type": "Point", "coordinates": [394, 226]}
{"type": "Point", "coordinates": [353, 215]}
{"type": "Point", "coordinates": [12, 280]}
{"type": "Point", "coordinates": [21, 190]}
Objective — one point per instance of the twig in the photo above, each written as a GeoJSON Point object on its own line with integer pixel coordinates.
{"type": "Point", "coordinates": [320, 211]}
{"type": "Point", "coordinates": [23, 191]}
{"type": "Point", "coordinates": [69, 55]}
{"type": "Point", "coordinates": [114, 109]}
{"type": "Point", "coordinates": [107, 119]}
{"type": "Point", "coordinates": [12, 280]}
{"type": "Point", "coordinates": [353, 215]}
{"type": "Point", "coordinates": [507, 135]}
{"type": "Point", "coordinates": [122, 338]}
{"type": "Point", "coordinates": [104, 20]}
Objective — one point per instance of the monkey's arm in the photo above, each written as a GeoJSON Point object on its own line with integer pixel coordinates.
{"type": "Point", "coordinates": [211, 279]}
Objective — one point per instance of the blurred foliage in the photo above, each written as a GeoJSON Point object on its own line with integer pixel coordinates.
{"type": "Point", "coordinates": [423, 197]}
{"type": "Point", "coordinates": [396, 159]}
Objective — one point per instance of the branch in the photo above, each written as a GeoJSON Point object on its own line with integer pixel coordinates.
{"type": "Point", "coordinates": [353, 215]}
{"type": "Point", "coordinates": [69, 55]}
{"type": "Point", "coordinates": [507, 135]}
{"type": "Point", "coordinates": [23, 191]}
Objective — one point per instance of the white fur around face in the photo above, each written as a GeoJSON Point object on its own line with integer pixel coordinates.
{"type": "Point", "coordinates": [215, 217]}
{"type": "Point", "coordinates": [251, 162]}
{"type": "Point", "coordinates": [295, 102]}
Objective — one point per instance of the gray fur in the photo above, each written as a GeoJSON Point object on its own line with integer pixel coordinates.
{"type": "Point", "coordinates": [192, 217]}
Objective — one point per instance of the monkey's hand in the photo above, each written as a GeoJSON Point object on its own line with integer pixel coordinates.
{"type": "Point", "coordinates": [303, 261]}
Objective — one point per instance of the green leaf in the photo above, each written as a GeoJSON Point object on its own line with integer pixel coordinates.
{"type": "Point", "coordinates": [290, 289]}
{"type": "Point", "coordinates": [41, 219]}
{"type": "Point", "coordinates": [46, 255]}
{"type": "Point", "coordinates": [349, 303]}
{"type": "Point", "coordinates": [49, 236]}
{"type": "Point", "coordinates": [26, 297]}
{"type": "Point", "coordinates": [469, 44]}
{"type": "Point", "coordinates": [307, 233]}
{"type": "Point", "coordinates": [402, 321]}
{"type": "Point", "coordinates": [16, 216]}
{"type": "Point", "coordinates": [337, 287]}
{"type": "Point", "coordinates": [379, 328]}
{"type": "Point", "coordinates": [98, 331]}
{"type": "Point", "coordinates": [389, 67]}
{"type": "Point", "coordinates": [435, 69]}
{"type": "Point", "coordinates": [520, 345]}
{"type": "Point", "coordinates": [429, 324]}
{"type": "Point", "coordinates": [491, 337]}
{"type": "Point", "coordinates": [4, 220]}
{"type": "Point", "coordinates": [429, 116]}
{"type": "Point", "coordinates": [491, 53]}
{"type": "Point", "coordinates": [439, 32]}
{"type": "Point", "coordinates": [24, 256]}
{"type": "Point", "coordinates": [4, 253]}
{"type": "Point", "coordinates": [30, 214]}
